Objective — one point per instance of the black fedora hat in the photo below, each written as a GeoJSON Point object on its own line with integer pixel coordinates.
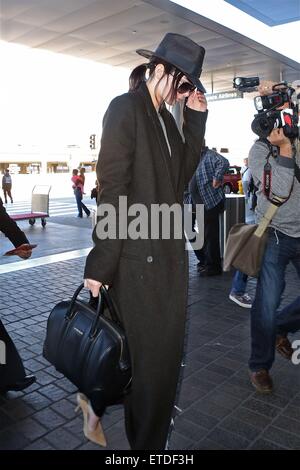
{"type": "Point", "coordinates": [183, 53]}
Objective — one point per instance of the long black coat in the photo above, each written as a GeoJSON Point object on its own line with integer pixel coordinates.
{"type": "Point", "coordinates": [149, 278]}
{"type": "Point", "coordinates": [13, 371]}
{"type": "Point", "coordinates": [10, 229]}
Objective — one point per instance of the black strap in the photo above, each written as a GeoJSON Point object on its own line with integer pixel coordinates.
{"type": "Point", "coordinates": [267, 179]}
{"type": "Point", "coordinates": [273, 150]}
{"type": "Point", "coordinates": [297, 171]}
{"type": "Point", "coordinates": [267, 176]}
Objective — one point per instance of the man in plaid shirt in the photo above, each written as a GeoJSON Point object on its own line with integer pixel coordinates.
{"type": "Point", "coordinates": [206, 188]}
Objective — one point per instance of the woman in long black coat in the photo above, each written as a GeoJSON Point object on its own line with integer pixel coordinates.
{"type": "Point", "coordinates": [144, 158]}
{"type": "Point", "coordinates": [12, 372]}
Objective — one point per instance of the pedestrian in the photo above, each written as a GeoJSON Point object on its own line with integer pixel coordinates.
{"type": "Point", "coordinates": [206, 188]}
{"type": "Point", "coordinates": [6, 186]}
{"type": "Point", "coordinates": [78, 184]}
{"type": "Point", "coordinates": [95, 191]}
{"type": "Point", "coordinates": [82, 176]}
{"type": "Point", "coordinates": [246, 178]}
{"type": "Point", "coordinates": [12, 372]}
{"type": "Point", "coordinates": [252, 190]}
{"type": "Point", "coordinates": [144, 158]}
{"type": "Point", "coordinates": [238, 292]}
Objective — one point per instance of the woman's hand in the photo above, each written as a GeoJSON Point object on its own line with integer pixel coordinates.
{"type": "Point", "coordinates": [197, 101]}
{"type": "Point", "coordinates": [93, 286]}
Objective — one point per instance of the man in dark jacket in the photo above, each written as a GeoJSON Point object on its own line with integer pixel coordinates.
{"type": "Point", "coordinates": [206, 188]}
{"type": "Point", "coordinates": [12, 372]}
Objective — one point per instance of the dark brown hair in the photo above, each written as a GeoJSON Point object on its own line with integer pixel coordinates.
{"type": "Point", "coordinates": [138, 75]}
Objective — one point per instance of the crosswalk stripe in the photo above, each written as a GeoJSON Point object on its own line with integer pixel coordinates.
{"type": "Point", "coordinates": [57, 208]}
{"type": "Point", "coordinates": [67, 210]}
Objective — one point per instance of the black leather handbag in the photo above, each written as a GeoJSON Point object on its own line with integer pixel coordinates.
{"type": "Point", "coordinates": [89, 348]}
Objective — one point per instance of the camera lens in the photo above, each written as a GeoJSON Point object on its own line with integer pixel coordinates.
{"type": "Point", "coordinates": [237, 81]}
{"type": "Point", "coordinates": [262, 125]}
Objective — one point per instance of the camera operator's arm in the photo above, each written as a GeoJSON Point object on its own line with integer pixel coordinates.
{"type": "Point", "coordinates": [282, 166]}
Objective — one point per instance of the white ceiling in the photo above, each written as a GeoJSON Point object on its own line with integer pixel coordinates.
{"type": "Point", "coordinates": [110, 31]}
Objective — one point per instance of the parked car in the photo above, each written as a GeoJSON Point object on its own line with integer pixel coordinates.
{"type": "Point", "coordinates": [231, 179]}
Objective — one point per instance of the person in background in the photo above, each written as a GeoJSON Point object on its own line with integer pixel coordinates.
{"type": "Point", "coordinates": [78, 191]}
{"type": "Point", "coordinates": [246, 178]}
{"type": "Point", "coordinates": [6, 186]}
{"type": "Point", "coordinates": [245, 166]}
{"type": "Point", "coordinates": [252, 190]}
{"type": "Point", "coordinates": [206, 188]}
{"type": "Point", "coordinates": [82, 176]}
{"type": "Point", "coordinates": [238, 292]}
{"type": "Point", "coordinates": [12, 373]}
{"type": "Point", "coordinates": [95, 190]}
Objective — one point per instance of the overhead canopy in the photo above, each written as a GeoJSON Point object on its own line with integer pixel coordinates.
{"type": "Point", "coordinates": [271, 12]}
{"type": "Point", "coordinates": [109, 31]}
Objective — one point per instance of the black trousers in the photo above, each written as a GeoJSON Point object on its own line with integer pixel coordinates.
{"type": "Point", "coordinates": [7, 192]}
{"type": "Point", "coordinates": [198, 253]}
{"type": "Point", "coordinates": [13, 370]}
{"type": "Point", "coordinates": [209, 255]}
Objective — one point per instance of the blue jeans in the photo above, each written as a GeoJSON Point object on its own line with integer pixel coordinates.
{"type": "Point", "coordinates": [80, 205]}
{"type": "Point", "coordinates": [280, 250]}
{"type": "Point", "coordinates": [288, 319]}
{"type": "Point", "coordinates": [239, 283]}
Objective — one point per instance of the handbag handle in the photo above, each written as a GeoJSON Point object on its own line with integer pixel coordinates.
{"type": "Point", "coordinates": [104, 299]}
{"type": "Point", "coordinates": [70, 314]}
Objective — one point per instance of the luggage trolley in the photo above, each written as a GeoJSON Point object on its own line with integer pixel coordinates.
{"type": "Point", "coordinates": [39, 206]}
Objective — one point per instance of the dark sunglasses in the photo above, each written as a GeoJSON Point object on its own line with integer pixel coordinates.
{"type": "Point", "coordinates": [186, 87]}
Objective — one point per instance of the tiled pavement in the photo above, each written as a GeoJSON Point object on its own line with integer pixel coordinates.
{"type": "Point", "coordinates": [220, 409]}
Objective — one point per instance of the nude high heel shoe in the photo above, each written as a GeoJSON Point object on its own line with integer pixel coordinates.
{"type": "Point", "coordinates": [96, 435]}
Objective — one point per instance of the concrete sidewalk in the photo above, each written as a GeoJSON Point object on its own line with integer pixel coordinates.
{"type": "Point", "coordinates": [220, 409]}
{"type": "Point", "coordinates": [62, 233]}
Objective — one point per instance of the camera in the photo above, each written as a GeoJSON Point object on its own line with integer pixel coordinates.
{"type": "Point", "coordinates": [246, 83]}
{"type": "Point", "coordinates": [264, 122]}
{"type": "Point", "coordinates": [268, 115]}
{"type": "Point", "coordinates": [270, 101]}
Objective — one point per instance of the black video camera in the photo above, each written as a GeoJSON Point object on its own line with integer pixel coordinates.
{"type": "Point", "coordinates": [246, 84]}
{"type": "Point", "coordinates": [268, 116]}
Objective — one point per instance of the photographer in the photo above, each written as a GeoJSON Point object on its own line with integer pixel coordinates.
{"type": "Point", "coordinates": [283, 243]}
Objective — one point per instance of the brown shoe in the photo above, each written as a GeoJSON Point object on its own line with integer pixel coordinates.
{"type": "Point", "coordinates": [284, 347]}
{"type": "Point", "coordinates": [262, 381]}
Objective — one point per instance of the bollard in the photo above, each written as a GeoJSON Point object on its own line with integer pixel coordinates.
{"type": "Point", "coordinates": [240, 187]}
